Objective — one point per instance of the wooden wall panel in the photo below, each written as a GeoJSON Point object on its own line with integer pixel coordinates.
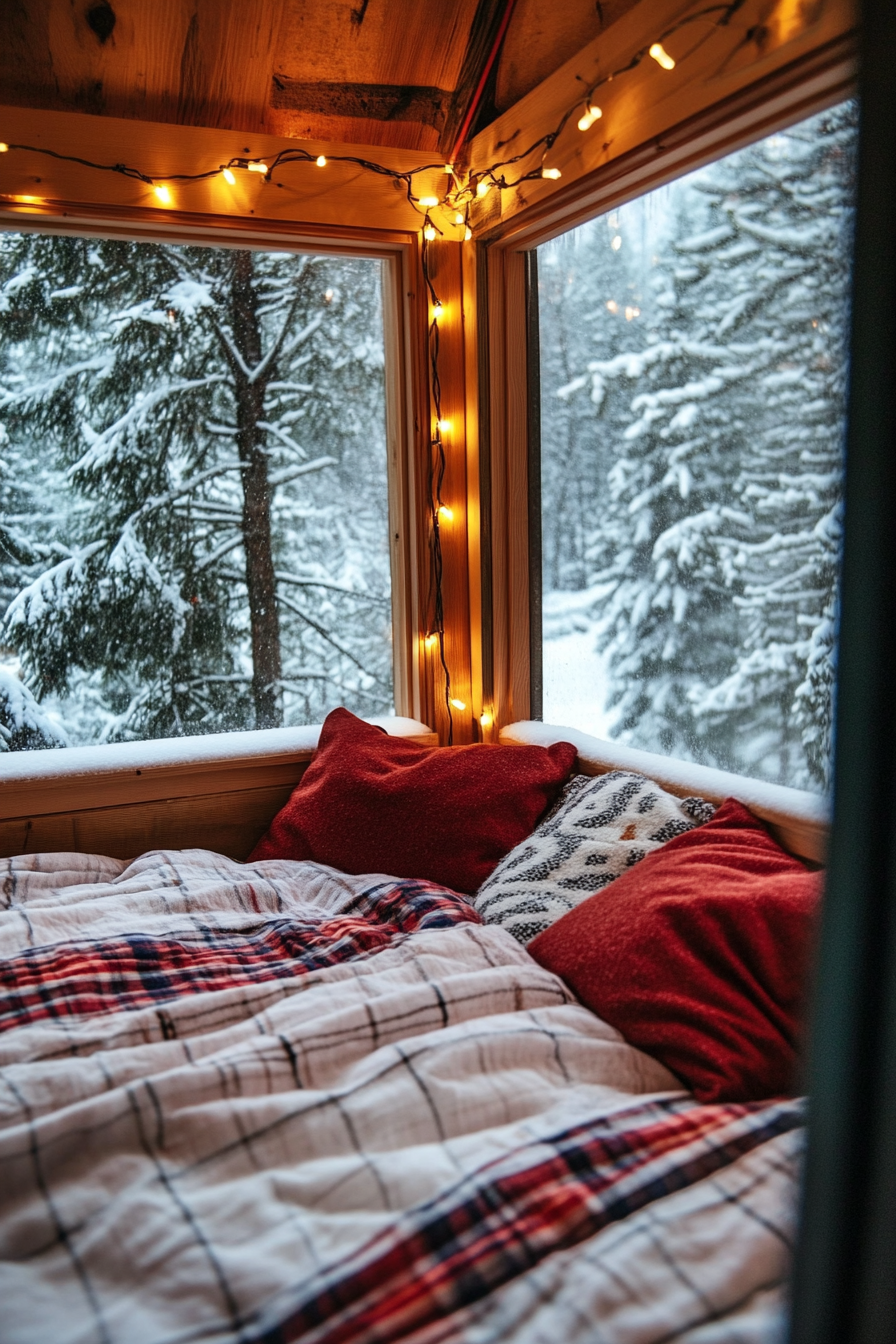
{"type": "Point", "coordinates": [229, 823]}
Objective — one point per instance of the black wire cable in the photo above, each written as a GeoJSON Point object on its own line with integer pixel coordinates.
{"type": "Point", "coordinates": [436, 476]}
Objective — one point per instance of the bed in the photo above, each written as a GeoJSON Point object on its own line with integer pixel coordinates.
{"type": "Point", "coordinates": [274, 1101]}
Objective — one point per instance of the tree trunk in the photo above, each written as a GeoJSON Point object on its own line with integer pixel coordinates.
{"type": "Point", "coordinates": [260, 581]}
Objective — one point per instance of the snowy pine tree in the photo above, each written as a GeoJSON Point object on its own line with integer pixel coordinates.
{"type": "Point", "coordinates": [720, 525]}
{"type": "Point", "coordinates": [219, 421]}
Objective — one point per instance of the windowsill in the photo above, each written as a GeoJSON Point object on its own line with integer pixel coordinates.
{"type": "Point", "coordinates": [125, 772]}
{"type": "Point", "coordinates": [800, 820]}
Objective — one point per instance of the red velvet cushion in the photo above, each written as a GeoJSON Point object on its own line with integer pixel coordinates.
{"type": "Point", "coordinates": [369, 803]}
{"type": "Point", "coordinates": [698, 956]}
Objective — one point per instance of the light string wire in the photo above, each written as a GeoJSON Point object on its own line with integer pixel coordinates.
{"type": "Point", "coordinates": [465, 189]}
{"type": "Point", "coordinates": [436, 476]}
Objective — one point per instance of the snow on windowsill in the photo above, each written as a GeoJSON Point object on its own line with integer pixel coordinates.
{"type": "Point", "coordinates": [203, 752]}
{"type": "Point", "coordinates": [702, 780]}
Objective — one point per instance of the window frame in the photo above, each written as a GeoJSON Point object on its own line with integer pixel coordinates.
{"type": "Point", "coordinates": [405, 382]}
{"type": "Point", "coordinates": [510, 566]}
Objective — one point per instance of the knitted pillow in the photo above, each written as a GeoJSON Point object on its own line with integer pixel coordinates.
{"type": "Point", "coordinates": [597, 829]}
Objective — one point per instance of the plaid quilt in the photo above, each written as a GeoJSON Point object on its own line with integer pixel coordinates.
{"type": "Point", "coordinates": [275, 1102]}
{"type": "Point", "coordinates": [137, 969]}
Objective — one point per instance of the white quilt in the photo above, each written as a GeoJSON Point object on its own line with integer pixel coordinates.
{"type": "Point", "coordinates": [257, 1155]}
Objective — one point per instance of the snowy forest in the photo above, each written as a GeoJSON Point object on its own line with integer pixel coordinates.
{"type": "Point", "coordinates": [693, 378]}
{"type": "Point", "coordinates": [193, 494]}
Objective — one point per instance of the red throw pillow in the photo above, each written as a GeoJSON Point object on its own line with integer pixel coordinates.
{"type": "Point", "coordinates": [698, 955]}
{"type": "Point", "coordinates": [370, 803]}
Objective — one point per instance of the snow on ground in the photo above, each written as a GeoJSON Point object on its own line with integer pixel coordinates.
{"type": "Point", "coordinates": [575, 676]}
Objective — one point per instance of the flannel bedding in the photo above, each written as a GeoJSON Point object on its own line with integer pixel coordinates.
{"type": "Point", "coordinates": [274, 1102]}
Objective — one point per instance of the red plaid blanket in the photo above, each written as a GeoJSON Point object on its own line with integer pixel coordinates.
{"type": "Point", "coordinates": [273, 1102]}
{"type": "Point", "coordinates": [135, 970]}
{"type": "Point", "coordinates": [500, 1221]}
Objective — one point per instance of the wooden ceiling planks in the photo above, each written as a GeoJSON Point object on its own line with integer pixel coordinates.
{"type": "Point", "coordinates": [399, 73]}
{"type": "Point", "coordinates": [543, 36]}
{"type": "Point", "coordinates": [369, 71]}
{"type": "Point", "coordinates": [196, 62]}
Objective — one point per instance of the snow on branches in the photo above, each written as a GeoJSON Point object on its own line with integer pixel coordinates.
{"type": "Point", "coordinates": [714, 443]}
{"type": "Point", "coordinates": [202, 421]}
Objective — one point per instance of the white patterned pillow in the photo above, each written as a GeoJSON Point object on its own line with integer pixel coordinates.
{"type": "Point", "coordinates": [597, 828]}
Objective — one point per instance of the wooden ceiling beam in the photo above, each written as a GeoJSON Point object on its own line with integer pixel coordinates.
{"type": "Point", "coordinates": [373, 102]}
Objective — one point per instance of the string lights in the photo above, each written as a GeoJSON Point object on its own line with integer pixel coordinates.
{"type": "Point", "coordinates": [463, 190]}
{"type": "Point", "coordinates": [440, 512]}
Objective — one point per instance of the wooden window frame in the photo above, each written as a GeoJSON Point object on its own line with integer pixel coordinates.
{"type": "Point", "coordinates": [510, 636]}
{"type": "Point", "coordinates": [405, 385]}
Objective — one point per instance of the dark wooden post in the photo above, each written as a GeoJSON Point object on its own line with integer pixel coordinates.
{"type": "Point", "coordinates": [844, 1288]}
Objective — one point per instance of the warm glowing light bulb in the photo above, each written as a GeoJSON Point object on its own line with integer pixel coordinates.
{"type": "Point", "coordinates": [258, 167]}
{"type": "Point", "coordinates": [328, 295]}
{"type": "Point", "coordinates": [429, 233]}
{"type": "Point", "coordinates": [661, 56]}
{"type": "Point", "coordinates": [459, 218]}
{"type": "Point", "coordinates": [616, 242]}
{"type": "Point", "coordinates": [437, 310]}
{"type": "Point", "coordinates": [486, 719]}
{"type": "Point", "coordinates": [444, 426]}
{"type": "Point", "coordinates": [468, 234]}
{"type": "Point", "coordinates": [445, 513]}
{"type": "Point", "coordinates": [4, 147]}
{"type": "Point", "coordinates": [552, 173]}
{"type": "Point", "coordinates": [228, 176]}
{"type": "Point", "coordinates": [321, 160]}
{"type": "Point", "coordinates": [429, 202]}
{"type": "Point", "coordinates": [431, 641]}
{"type": "Point", "coordinates": [589, 117]}
{"type": "Point", "coordinates": [483, 188]}
{"type": "Point", "coordinates": [612, 306]}
{"type": "Point", "coordinates": [163, 194]}
{"type": "Point", "coordinates": [459, 704]}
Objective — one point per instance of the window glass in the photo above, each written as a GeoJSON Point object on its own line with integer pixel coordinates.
{"type": "Point", "coordinates": [193, 494]}
{"type": "Point", "coordinates": [693, 373]}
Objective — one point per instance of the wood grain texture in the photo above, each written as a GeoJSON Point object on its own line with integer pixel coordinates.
{"type": "Point", "coordinates": [61, 781]}
{"type": "Point", "coordinates": [201, 62]}
{"type": "Point", "coordinates": [647, 103]}
{"type": "Point", "coordinates": [516, 449]}
{"type": "Point", "coordinates": [447, 275]}
{"type": "Point", "coordinates": [229, 823]}
{"type": "Point", "coordinates": [484, 30]}
{"type": "Point", "coordinates": [339, 195]}
{"type": "Point", "coordinates": [506, 390]}
{"type": "Point", "coordinates": [543, 36]}
{"type": "Point", "coordinates": [470, 320]}
{"type": "Point", "coordinates": [402, 43]}
{"type": "Point", "coordinates": [377, 102]}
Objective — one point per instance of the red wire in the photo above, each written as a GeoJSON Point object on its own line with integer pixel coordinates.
{"type": "Point", "coordinates": [480, 87]}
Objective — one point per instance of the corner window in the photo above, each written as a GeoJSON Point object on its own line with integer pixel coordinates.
{"type": "Point", "coordinates": [693, 349]}
{"type": "Point", "coordinates": [193, 490]}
